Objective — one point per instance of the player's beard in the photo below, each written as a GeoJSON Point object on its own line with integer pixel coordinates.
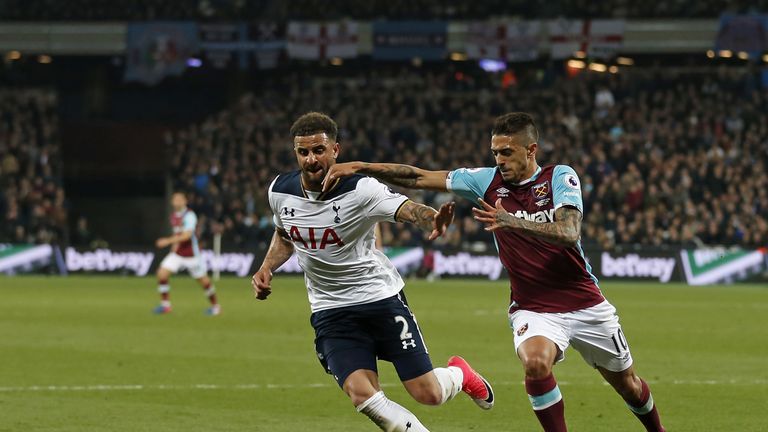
{"type": "Point", "coordinates": [314, 179]}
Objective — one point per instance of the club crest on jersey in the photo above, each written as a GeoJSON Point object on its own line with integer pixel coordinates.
{"type": "Point", "coordinates": [502, 192]}
{"type": "Point", "coordinates": [540, 190]}
{"type": "Point", "coordinates": [521, 331]}
{"type": "Point", "coordinates": [336, 209]}
{"type": "Point", "coordinates": [287, 212]}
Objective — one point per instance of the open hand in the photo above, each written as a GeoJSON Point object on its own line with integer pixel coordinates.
{"type": "Point", "coordinates": [494, 218]}
{"type": "Point", "coordinates": [442, 220]}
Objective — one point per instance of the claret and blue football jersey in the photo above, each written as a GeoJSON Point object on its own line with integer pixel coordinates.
{"type": "Point", "coordinates": [544, 277]}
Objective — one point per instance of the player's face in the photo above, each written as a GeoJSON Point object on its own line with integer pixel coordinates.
{"type": "Point", "coordinates": [178, 201]}
{"type": "Point", "coordinates": [315, 154]}
{"type": "Point", "coordinates": [515, 160]}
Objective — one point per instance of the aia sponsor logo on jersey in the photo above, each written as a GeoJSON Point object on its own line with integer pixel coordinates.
{"type": "Point", "coordinates": [312, 239]}
{"type": "Point", "coordinates": [540, 190]}
{"type": "Point", "coordinates": [521, 331]}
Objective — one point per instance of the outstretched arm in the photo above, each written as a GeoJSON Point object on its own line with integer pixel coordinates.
{"type": "Point", "coordinates": [173, 239]}
{"type": "Point", "coordinates": [435, 222]}
{"type": "Point", "coordinates": [280, 249]}
{"type": "Point", "coordinates": [565, 231]}
{"type": "Point", "coordinates": [399, 175]}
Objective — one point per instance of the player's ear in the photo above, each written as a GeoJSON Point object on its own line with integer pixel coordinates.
{"type": "Point", "coordinates": [336, 150]}
{"type": "Point", "coordinates": [532, 148]}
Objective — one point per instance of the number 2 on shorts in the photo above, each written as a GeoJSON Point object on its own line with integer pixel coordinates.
{"type": "Point", "coordinates": [404, 334]}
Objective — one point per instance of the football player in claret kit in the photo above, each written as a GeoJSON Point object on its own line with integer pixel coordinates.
{"type": "Point", "coordinates": [359, 310]}
{"type": "Point", "coordinates": [535, 215]}
{"type": "Point", "coordinates": [184, 255]}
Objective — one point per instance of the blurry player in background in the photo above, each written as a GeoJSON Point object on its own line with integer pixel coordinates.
{"type": "Point", "coordinates": [185, 254]}
{"type": "Point", "coordinates": [555, 301]}
{"type": "Point", "coordinates": [359, 310]}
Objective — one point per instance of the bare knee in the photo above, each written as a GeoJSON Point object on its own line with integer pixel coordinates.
{"type": "Point", "coordinates": [163, 275]}
{"type": "Point", "coordinates": [538, 354]}
{"type": "Point", "coordinates": [359, 395]}
{"type": "Point", "coordinates": [627, 384]}
{"type": "Point", "coordinates": [631, 389]}
{"type": "Point", "coordinates": [360, 386]}
{"type": "Point", "coordinates": [428, 396]}
{"type": "Point", "coordinates": [537, 366]}
{"type": "Point", "coordinates": [425, 389]}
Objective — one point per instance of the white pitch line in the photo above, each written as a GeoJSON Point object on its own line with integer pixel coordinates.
{"type": "Point", "coordinates": [135, 387]}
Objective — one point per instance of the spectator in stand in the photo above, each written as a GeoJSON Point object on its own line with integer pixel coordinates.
{"type": "Point", "coordinates": [33, 205]}
{"type": "Point", "coordinates": [662, 154]}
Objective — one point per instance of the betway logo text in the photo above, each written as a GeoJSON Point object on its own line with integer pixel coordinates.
{"type": "Point", "coordinates": [465, 264]}
{"type": "Point", "coordinates": [633, 265]}
{"type": "Point", "coordinates": [104, 260]}
{"type": "Point", "coordinates": [539, 216]}
{"type": "Point", "coordinates": [238, 263]}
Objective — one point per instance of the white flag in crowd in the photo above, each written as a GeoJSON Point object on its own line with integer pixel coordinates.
{"type": "Point", "coordinates": [517, 41]}
{"type": "Point", "coordinates": [312, 40]}
{"type": "Point", "coordinates": [596, 38]}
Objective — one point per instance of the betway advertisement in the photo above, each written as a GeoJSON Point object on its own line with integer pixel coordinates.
{"type": "Point", "coordinates": [142, 263]}
{"type": "Point", "coordinates": [24, 258]}
{"type": "Point", "coordinates": [695, 267]}
{"type": "Point", "coordinates": [720, 265]}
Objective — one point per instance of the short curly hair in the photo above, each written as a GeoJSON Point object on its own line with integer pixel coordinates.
{"type": "Point", "coordinates": [313, 123]}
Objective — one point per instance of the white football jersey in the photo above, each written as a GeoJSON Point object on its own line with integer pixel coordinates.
{"type": "Point", "coordinates": [333, 238]}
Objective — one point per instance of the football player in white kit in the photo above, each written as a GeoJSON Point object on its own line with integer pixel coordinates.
{"type": "Point", "coordinates": [359, 309]}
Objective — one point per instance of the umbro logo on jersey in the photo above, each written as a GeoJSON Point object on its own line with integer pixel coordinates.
{"type": "Point", "coordinates": [336, 209]}
{"type": "Point", "coordinates": [502, 192]}
{"type": "Point", "coordinates": [287, 212]}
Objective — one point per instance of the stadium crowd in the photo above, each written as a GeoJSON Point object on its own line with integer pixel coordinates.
{"type": "Point", "coordinates": [32, 200]}
{"type": "Point", "coordinates": [278, 10]}
{"type": "Point", "coordinates": [665, 157]}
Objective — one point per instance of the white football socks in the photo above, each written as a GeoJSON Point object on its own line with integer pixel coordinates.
{"type": "Point", "coordinates": [450, 379]}
{"type": "Point", "coordinates": [389, 415]}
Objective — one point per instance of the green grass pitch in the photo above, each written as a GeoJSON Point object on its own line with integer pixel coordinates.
{"type": "Point", "coordinates": [86, 354]}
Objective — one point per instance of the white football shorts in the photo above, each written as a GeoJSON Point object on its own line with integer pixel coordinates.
{"type": "Point", "coordinates": [194, 265]}
{"type": "Point", "coordinates": [594, 332]}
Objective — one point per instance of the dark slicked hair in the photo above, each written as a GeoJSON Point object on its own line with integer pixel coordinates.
{"type": "Point", "coordinates": [515, 123]}
{"type": "Point", "coordinates": [313, 123]}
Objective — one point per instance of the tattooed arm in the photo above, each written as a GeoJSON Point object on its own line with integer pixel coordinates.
{"type": "Point", "coordinates": [435, 222]}
{"type": "Point", "coordinates": [400, 175]}
{"type": "Point", "coordinates": [565, 231]}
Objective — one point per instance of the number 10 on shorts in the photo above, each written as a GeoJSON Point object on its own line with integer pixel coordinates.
{"type": "Point", "coordinates": [619, 341]}
{"type": "Point", "coordinates": [406, 337]}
